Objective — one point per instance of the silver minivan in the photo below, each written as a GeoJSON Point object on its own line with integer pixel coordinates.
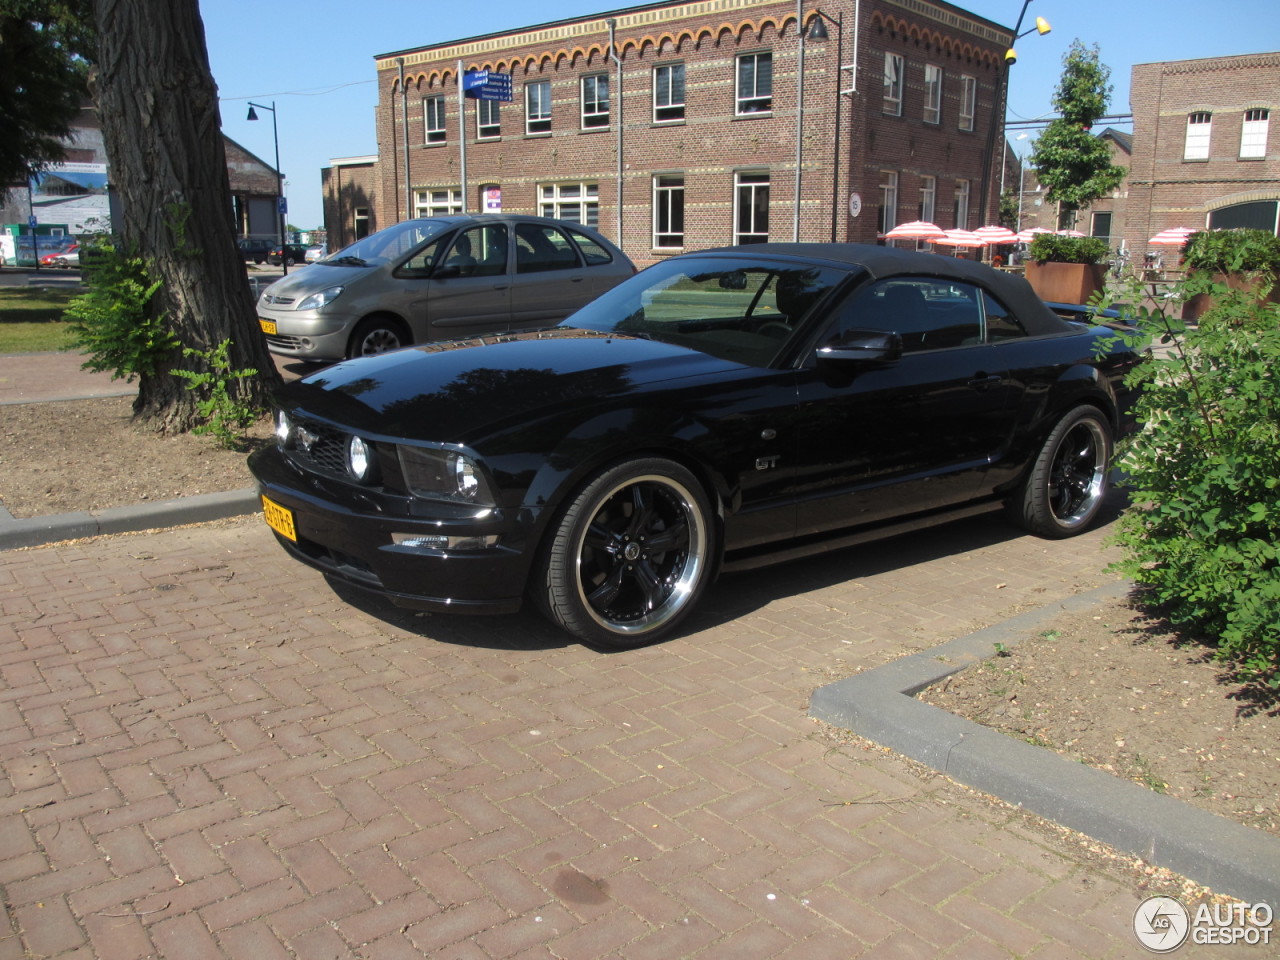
{"type": "Point", "coordinates": [438, 278]}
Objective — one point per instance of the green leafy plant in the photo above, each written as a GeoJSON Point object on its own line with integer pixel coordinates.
{"type": "Point", "coordinates": [1050, 247]}
{"type": "Point", "coordinates": [112, 322]}
{"type": "Point", "coordinates": [1073, 165]}
{"type": "Point", "coordinates": [1203, 533]}
{"type": "Point", "coordinates": [1233, 251]}
{"type": "Point", "coordinates": [225, 416]}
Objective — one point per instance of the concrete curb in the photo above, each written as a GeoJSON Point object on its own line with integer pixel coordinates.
{"type": "Point", "coordinates": [36, 531]}
{"type": "Point", "coordinates": [881, 706]}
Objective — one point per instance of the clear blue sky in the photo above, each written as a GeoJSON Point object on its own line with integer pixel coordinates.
{"type": "Point", "coordinates": [314, 59]}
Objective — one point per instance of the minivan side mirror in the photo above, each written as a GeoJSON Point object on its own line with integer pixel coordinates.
{"type": "Point", "coordinates": [863, 346]}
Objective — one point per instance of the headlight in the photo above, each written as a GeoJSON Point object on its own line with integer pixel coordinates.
{"type": "Point", "coordinates": [360, 462]}
{"type": "Point", "coordinates": [444, 475]}
{"type": "Point", "coordinates": [284, 429]}
{"type": "Point", "coordinates": [318, 300]}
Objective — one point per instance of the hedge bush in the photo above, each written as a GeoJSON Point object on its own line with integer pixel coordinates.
{"type": "Point", "coordinates": [1203, 532]}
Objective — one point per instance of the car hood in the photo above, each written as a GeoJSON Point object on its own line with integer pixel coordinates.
{"type": "Point", "coordinates": [456, 391]}
{"type": "Point", "coordinates": [312, 278]}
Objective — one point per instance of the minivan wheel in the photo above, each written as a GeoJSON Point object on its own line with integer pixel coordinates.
{"type": "Point", "coordinates": [376, 335]}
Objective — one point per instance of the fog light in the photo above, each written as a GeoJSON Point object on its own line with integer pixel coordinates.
{"type": "Point", "coordinates": [359, 459]}
{"type": "Point", "coordinates": [284, 429]}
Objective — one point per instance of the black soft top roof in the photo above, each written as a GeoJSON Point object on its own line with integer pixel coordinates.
{"type": "Point", "coordinates": [880, 262]}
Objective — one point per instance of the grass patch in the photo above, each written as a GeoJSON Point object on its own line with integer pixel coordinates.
{"type": "Point", "coordinates": [31, 319]}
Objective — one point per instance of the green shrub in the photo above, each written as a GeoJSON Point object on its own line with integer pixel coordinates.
{"type": "Point", "coordinates": [1233, 251]}
{"type": "Point", "coordinates": [1203, 533]}
{"type": "Point", "coordinates": [111, 322]}
{"type": "Point", "coordinates": [226, 417]}
{"type": "Point", "coordinates": [1050, 247]}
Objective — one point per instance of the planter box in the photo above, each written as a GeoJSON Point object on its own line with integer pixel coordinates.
{"type": "Point", "coordinates": [1066, 282]}
{"type": "Point", "coordinates": [1201, 303]}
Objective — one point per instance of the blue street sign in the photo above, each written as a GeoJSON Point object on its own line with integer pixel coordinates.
{"type": "Point", "coordinates": [31, 221]}
{"type": "Point", "coordinates": [282, 205]}
{"type": "Point", "coordinates": [486, 85]}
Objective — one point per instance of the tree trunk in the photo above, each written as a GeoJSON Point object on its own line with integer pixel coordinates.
{"type": "Point", "coordinates": [158, 107]}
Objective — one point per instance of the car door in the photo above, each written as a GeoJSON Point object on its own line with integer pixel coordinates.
{"type": "Point", "coordinates": [469, 291]}
{"type": "Point", "coordinates": [885, 439]}
{"type": "Point", "coordinates": [551, 281]}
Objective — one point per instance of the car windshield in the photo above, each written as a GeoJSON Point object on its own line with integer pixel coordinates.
{"type": "Point", "coordinates": [387, 245]}
{"type": "Point", "coordinates": [736, 308]}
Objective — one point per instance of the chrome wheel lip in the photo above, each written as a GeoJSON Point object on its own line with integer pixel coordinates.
{"type": "Point", "coordinates": [1078, 474]}
{"type": "Point", "coordinates": [691, 565]}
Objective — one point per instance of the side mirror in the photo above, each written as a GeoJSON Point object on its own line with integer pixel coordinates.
{"type": "Point", "coordinates": [865, 346]}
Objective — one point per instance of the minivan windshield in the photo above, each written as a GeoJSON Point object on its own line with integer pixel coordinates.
{"type": "Point", "coordinates": [387, 245]}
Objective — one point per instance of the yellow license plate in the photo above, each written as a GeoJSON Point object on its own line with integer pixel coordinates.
{"type": "Point", "coordinates": [279, 519]}
{"type": "Point", "coordinates": [268, 326]}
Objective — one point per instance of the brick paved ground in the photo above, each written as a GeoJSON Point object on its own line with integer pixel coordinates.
{"type": "Point", "coordinates": [206, 753]}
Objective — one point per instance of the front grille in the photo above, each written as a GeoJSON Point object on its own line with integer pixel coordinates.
{"type": "Point", "coordinates": [291, 343]}
{"type": "Point", "coordinates": [272, 298]}
{"type": "Point", "coordinates": [320, 448]}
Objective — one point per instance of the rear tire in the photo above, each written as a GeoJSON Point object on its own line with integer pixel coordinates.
{"type": "Point", "coordinates": [375, 335]}
{"type": "Point", "coordinates": [630, 556]}
{"type": "Point", "coordinates": [1064, 490]}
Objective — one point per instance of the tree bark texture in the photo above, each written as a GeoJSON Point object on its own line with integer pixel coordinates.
{"type": "Point", "coordinates": [158, 107]}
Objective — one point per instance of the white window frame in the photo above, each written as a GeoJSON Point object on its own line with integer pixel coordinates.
{"type": "Point", "coordinates": [895, 74]}
{"type": "Point", "coordinates": [488, 119]}
{"type": "Point", "coordinates": [595, 101]}
{"type": "Point", "coordinates": [437, 202]}
{"type": "Point", "coordinates": [968, 102]}
{"type": "Point", "coordinates": [932, 93]}
{"type": "Point", "coordinates": [1199, 135]}
{"type": "Point", "coordinates": [888, 200]}
{"type": "Point", "coordinates": [573, 202]}
{"type": "Point", "coordinates": [964, 192]}
{"type": "Point", "coordinates": [748, 188]}
{"type": "Point", "coordinates": [1253, 133]}
{"type": "Point", "coordinates": [433, 121]}
{"type": "Point", "coordinates": [668, 211]}
{"type": "Point", "coordinates": [537, 113]}
{"type": "Point", "coordinates": [758, 99]}
{"type": "Point", "coordinates": [668, 105]}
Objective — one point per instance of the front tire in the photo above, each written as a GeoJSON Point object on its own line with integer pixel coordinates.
{"type": "Point", "coordinates": [1064, 490]}
{"type": "Point", "coordinates": [630, 556]}
{"type": "Point", "coordinates": [376, 335]}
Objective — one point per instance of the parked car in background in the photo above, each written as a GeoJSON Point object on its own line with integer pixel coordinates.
{"type": "Point", "coordinates": [316, 252]}
{"type": "Point", "coordinates": [719, 410]}
{"type": "Point", "coordinates": [254, 249]}
{"type": "Point", "coordinates": [67, 260]}
{"type": "Point", "coordinates": [436, 278]}
{"type": "Point", "coordinates": [288, 255]}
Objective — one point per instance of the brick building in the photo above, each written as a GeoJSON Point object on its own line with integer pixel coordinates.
{"type": "Point", "coordinates": [1204, 155]}
{"type": "Point", "coordinates": [673, 125]}
{"type": "Point", "coordinates": [350, 192]}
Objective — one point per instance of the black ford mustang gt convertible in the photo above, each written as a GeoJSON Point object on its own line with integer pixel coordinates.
{"type": "Point", "coordinates": [719, 410]}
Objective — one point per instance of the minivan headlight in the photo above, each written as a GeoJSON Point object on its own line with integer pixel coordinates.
{"type": "Point", "coordinates": [444, 475]}
{"type": "Point", "coordinates": [318, 300]}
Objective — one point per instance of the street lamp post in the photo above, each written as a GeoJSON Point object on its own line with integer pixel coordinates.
{"type": "Point", "coordinates": [818, 31]}
{"type": "Point", "coordinates": [998, 105]}
{"type": "Point", "coordinates": [280, 211]}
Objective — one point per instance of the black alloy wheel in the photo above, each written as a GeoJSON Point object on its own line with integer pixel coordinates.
{"type": "Point", "coordinates": [1067, 484]}
{"type": "Point", "coordinates": [631, 555]}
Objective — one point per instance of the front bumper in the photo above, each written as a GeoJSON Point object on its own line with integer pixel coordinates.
{"type": "Point", "coordinates": [350, 538]}
{"type": "Point", "coordinates": [305, 335]}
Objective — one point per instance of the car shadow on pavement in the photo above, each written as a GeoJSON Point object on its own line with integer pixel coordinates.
{"type": "Point", "coordinates": [738, 594]}
{"type": "Point", "coordinates": [733, 596]}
